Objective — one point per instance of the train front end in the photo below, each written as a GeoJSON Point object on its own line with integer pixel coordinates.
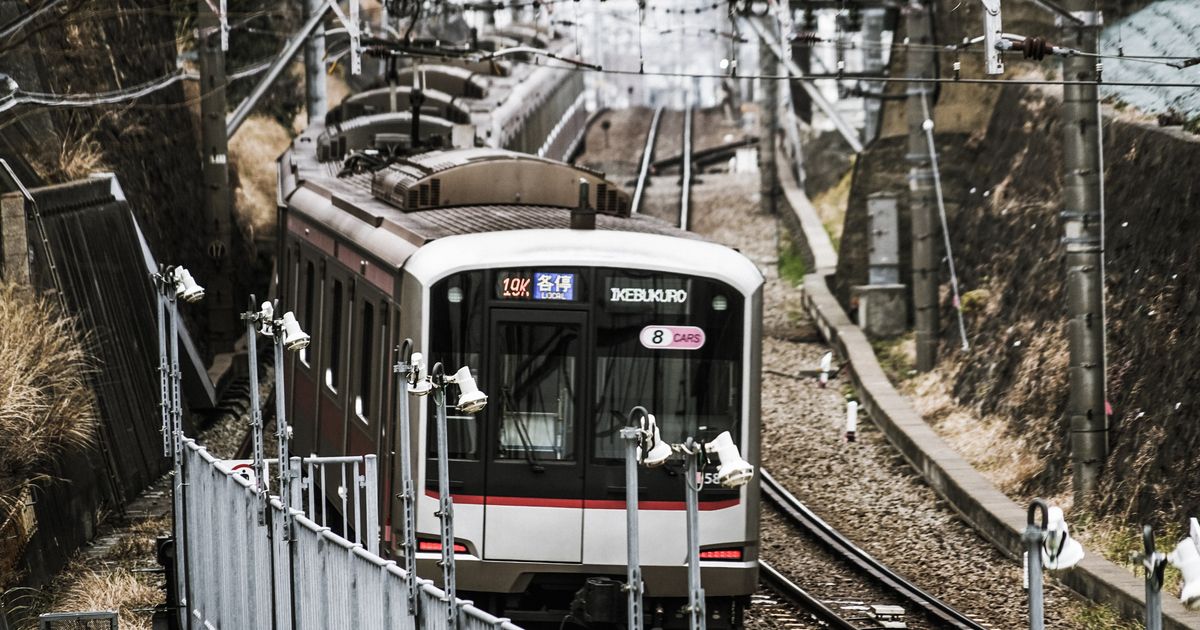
{"type": "Point", "coordinates": [567, 331]}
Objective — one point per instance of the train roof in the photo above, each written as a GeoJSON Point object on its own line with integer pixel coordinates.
{"type": "Point", "coordinates": [351, 208]}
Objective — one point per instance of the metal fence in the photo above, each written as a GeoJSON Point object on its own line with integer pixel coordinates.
{"type": "Point", "coordinates": [236, 572]}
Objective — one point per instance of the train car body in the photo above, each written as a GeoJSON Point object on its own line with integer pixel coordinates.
{"type": "Point", "coordinates": [471, 253]}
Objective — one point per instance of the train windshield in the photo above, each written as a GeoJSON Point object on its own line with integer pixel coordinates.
{"type": "Point", "coordinates": [606, 340]}
{"type": "Point", "coordinates": [671, 344]}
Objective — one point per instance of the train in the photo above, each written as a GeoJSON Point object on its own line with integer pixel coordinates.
{"type": "Point", "coordinates": [457, 225]}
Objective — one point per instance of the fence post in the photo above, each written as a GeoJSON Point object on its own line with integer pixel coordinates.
{"type": "Point", "coordinates": [372, 525]}
{"type": "Point", "coordinates": [14, 239]}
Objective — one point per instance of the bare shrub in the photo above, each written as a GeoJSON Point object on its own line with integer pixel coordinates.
{"type": "Point", "coordinates": [259, 142]}
{"type": "Point", "coordinates": [119, 590]}
{"type": "Point", "coordinates": [47, 408]}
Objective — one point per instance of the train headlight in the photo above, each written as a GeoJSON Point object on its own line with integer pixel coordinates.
{"type": "Point", "coordinates": [186, 287]}
{"type": "Point", "coordinates": [294, 339]}
{"type": "Point", "coordinates": [734, 471]}
{"type": "Point", "coordinates": [470, 399]}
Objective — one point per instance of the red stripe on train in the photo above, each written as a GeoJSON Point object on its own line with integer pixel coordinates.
{"type": "Point", "coordinates": [589, 504]}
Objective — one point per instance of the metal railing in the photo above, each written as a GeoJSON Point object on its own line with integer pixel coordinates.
{"type": "Point", "coordinates": [242, 574]}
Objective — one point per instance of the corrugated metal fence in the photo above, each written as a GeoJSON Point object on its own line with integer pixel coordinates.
{"type": "Point", "coordinates": [237, 573]}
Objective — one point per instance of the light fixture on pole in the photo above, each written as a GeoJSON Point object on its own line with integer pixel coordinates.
{"type": "Point", "coordinates": [639, 429]}
{"type": "Point", "coordinates": [172, 284]}
{"type": "Point", "coordinates": [471, 401]}
{"type": "Point", "coordinates": [734, 472]}
{"type": "Point", "coordinates": [1049, 543]}
{"type": "Point", "coordinates": [261, 319]}
{"type": "Point", "coordinates": [408, 372]}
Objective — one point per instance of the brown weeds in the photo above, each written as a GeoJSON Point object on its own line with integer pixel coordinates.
{"type": "Point", "coordinates": [47, 408]}
{"type": "Point", "coordinates": [259, 142]}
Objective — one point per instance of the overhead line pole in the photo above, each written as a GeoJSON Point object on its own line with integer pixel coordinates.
{"type": "Point", "coordinates": [218, 200]}
{"type": "Point", "coordinates": [1083, 240]}
{"type": "Point", "coordinates": [920, 185]}
{"type": "Point", "coordinates": [314, 64]}
{"type": "Point", "coordinates": [769, 126]}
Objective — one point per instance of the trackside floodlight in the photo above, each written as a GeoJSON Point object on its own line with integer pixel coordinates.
{"type": "Point", "coordinates": [294, 339]}
{"type": "Point", "coordinates": [470, 399]}
{"type": "Point", "coordinates": [1186, 558]}
{"type": "Point", "coordinates": [1059, 550]}
{"type": "Point", "coordinates": [419, 385]}
{"type": "Point", "coordinates": [265, 315]}
{"type": "Point", "coordinates": [734, 471]}
{"type": "Point", "coordinates": [186, 288]}
{"type": "Point", "coordinates": [659, 451]}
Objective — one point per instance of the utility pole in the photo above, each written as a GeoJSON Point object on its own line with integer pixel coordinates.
{"type": "Point", "coordinates": [218, 202]}
{"type": "Point", "coordinates": [314, 67]}
{"type": "Point", "coordinates": [1083, 237]}
{"type": "Point", "coordinates": [872, 52]}
{"type": "Point", "coordinates": [921, 200]}
{"type": "Point", "coordinates": [769, 128]}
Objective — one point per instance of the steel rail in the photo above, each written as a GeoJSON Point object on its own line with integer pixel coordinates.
{"type": "Point", "coordinates": [799, 514]}
{"type": "Point", "coordinates": [647, 158]}
{"type": "Point", "coordinates": [685, 177]}
{"type": "Point", "coordinates": [801, 598]}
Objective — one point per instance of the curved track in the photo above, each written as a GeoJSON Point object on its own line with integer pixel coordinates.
{"type": "Point", "coordinates": [829, 537]}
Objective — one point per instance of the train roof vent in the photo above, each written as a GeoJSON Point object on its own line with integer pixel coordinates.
{"type": "Point", "coordinates": [602, 198]}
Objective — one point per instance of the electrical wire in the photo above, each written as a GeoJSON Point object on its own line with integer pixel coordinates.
{"type": "Point", "coordinates": [22, 97]}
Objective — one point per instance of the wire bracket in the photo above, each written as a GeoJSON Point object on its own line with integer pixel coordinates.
{"type": "Point", "coordinates": [993, 34]}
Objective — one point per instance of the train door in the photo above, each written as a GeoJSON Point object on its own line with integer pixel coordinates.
{"type": "Point", "coordinates": [535, 419]}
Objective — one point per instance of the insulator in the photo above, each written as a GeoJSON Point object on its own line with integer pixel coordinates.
{"type": "Point", "coordinates": [1035, 48]}
{"type": "Point", "coordinates": [806, 38]}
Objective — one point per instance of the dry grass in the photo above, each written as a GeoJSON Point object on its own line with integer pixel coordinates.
{"type": "Point", "coordinates": [121, 590]}
{"type": "Point", "coordinates": [47, 408]}
{"type": "Point", "coordinates": [831, 205]}
{"type": "Point", "coordinates": [259, 142]}
{"type": "Point", "coordinates": [46, 405]}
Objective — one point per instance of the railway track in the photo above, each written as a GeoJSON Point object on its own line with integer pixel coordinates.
{"type": "Point", "coordinates": [643, 178]}
{"type": "Point", "coordinates": [798, 514]}
{"type": "Point", "coordinates": [685, 159]}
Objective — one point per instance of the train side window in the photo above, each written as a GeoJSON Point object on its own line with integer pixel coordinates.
{"type": "Point", "coordinates": [309, 292]}
{"type": "Point", "coordinates": [333, 369]}
{"type": "Point", "coordinates": [366, 357]}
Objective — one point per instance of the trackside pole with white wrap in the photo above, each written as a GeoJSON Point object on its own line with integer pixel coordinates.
{"type": "Point", "coordinates": [697, 615]}
{"type": "Point", "coordinates": [406, 371]}
{"type": "Point", "coordinates": [633, 435]}
{"type": "Point", "coordinates": [445, 502]}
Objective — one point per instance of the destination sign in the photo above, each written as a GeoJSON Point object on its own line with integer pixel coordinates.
{"type": "Point", "coordinates": [657, 294]}
{"type": "Point", "coordinates": [538, 286]}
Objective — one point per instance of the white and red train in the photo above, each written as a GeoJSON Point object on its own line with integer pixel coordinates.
{"type": "Point", "coordinates": [470, 252]}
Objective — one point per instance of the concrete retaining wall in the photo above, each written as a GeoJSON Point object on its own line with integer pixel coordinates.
{"type": "Point", "coordinates": [996, 517]}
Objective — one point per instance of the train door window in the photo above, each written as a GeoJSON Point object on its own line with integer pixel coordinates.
{"type": "Point", "coordinates": [366, 358]}
{"type": "Point", "coordinates": [333, 367]}
{"type": "Point", "coordinates": [307, 296]}
{"type": "Point", "coordinates": [539, 387]}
